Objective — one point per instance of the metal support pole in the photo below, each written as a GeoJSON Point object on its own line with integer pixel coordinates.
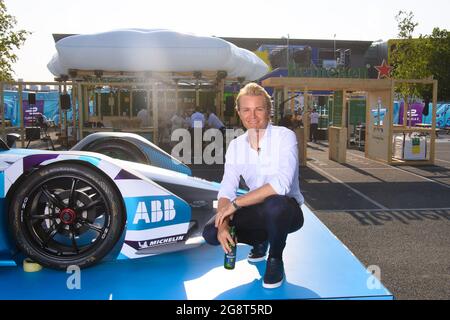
{"type": "Point", "coordinates": [22, 138]}
{"type": "Point", "coordinates": [155, 113]}
{"type": "Point", "coordinates": [2, 108]}
{"type": "Point", "coordinates": [80, 110]}
{"type": "Point", "coordinates": [176, 96]}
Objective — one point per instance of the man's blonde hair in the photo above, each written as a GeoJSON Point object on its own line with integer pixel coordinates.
{"type": "Point", "coordinates": [254, 89]}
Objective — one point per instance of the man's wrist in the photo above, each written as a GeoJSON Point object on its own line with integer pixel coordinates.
{"type": "Point", "coordinates": [235, 205]}
{"type": "Point", "coordinates": [224, 225]}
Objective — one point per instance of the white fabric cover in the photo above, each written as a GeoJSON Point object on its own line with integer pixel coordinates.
{"type": "Point", "coordinates": [154, 50]}
{"type": "Point", "coordinates": [406, 151]}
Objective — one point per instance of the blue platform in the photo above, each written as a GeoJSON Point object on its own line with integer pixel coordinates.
{"type": "Point", "coordinates": [318, 266]}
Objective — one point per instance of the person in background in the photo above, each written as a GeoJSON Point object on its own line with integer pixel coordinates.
{"type": "Point", "coordinates": [214, 121]}
{"type": "Point", "coordinates": [187, 119]}
{"type": "Point", "coordinates": [177, 121]}
{"type": "Point", "coordinates": [197, 123]}
{"type": "Point", "coordinates": [197, 119]}
{"type": "Point", "coordinates": [314, 117]}
{"type": "Point", "coordinates": [286, 120]}
{"type": "Point", "coordinates": [296, 120]}
{"type": "Point", "coordinates": [143, 116]}
{"type": "Point", "coordinates": [165, 135]}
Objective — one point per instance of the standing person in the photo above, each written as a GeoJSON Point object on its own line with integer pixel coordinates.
{"type": "Point", "coordinates": [197, 119]}
{"type": "Point", "coordinates": [187, 119]}
{"type": "Point", "coordinates": [266, 157]}
{"type": "Point", "coordinates": [296, 120]}
{"type": "Point", "coordinates": [143, 116]}
{"type": "Point", "coordinates": [164, 134]}
{"type": "Point", "coordinates": [314, 117]}
{"type": "Point", "coordinates": [215, 122]}
{"type": "Point", "coordinates": [286, 120]}
{"type": "Point", "coordinates": [177, 121]}
{"type": "Point", "coordinates": [197, 122]}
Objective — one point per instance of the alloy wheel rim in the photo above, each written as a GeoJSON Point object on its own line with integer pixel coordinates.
{"type": "Point", "coordinates": [65, 217]}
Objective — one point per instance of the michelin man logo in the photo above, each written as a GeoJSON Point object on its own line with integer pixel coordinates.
{"type": "Point", "coordinates": [157, 213]}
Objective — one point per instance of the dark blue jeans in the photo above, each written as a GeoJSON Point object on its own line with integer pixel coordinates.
{"type": "Point", "coordinates": [270, 220]}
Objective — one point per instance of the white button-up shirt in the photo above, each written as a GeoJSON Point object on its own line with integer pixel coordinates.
{"type": "Point", "coordinates": [314, 118]}
{"type": "Point", "coordinates": [197, 120]}
{"type": "Point", "coordinates": [214, 121]}
{"type": "Point", "coordinates": [276, 163]}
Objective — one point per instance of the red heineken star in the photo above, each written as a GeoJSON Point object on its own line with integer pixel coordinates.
{"type": "Point", "coordinates": [384, 70]}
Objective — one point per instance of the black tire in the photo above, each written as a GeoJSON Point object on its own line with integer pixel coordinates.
{"type": "Point", "coordinates": [118, 149]}
{"type": "Point", "coordinates": [66, 214]}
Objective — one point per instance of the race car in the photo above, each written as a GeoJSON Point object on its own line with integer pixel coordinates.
{"type": "Point", "coordinates": [63, 208]}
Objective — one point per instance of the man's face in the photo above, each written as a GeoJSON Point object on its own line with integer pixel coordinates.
{"type": "Point", "coordinates": [253, 112]}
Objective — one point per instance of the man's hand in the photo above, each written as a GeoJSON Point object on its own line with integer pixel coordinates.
{"type": "Point", "coordinates": [224, 237]}
{"type": "Point", "coordinates": [223, 213]}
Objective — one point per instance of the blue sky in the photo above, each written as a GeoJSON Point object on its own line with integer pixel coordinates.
{"type": "Point", "coordinates": [348, 19]}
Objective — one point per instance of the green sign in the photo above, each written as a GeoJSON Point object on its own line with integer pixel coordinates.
{"type": "Point", "coordinates": [340, 72]}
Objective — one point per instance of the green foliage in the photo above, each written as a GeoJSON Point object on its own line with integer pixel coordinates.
{"type": "Point", "coordinates": [406, 25]}
{"type": "Point", "coordinates": [408, 56]}
{"type": "Point", "coordinates": [439, 61]}
{"type": "Point", "coordinates": [420, 58]}
{"type": "Point", "coordinates": [9, 41]}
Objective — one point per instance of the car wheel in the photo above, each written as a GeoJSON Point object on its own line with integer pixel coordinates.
{"type": "Point", "coordinates": [118, 149]}
{"type": "Point", "coordinates": [66, 214]}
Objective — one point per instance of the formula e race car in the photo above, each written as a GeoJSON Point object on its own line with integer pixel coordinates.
{"type": "Point", "coordinates": [76, 207]}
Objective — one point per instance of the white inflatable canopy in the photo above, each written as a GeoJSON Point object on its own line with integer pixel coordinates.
{"type": "Point", "coordinates": [137, 50]}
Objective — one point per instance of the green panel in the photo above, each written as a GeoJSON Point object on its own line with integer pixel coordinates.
{"type": "Point", "coordinates": [324, 114]}
{"type": "Point", "coordinates": [139, 102]}
{"type": "Point", "coordinates": [357, 111]}
{"type": "Point", "coordinates": [124, 103]}
{"type": "Point", "coordinates": [337, 109]}
{"type": "Point", "coordinates": [228, 102]}
{"type": "Point", "coordinates": [207, 100]}
{"type": "Point", "coordinates": [108, 110]}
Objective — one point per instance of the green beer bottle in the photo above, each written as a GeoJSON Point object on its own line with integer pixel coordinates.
{"type": "Point", "coordinates": [230, 258]}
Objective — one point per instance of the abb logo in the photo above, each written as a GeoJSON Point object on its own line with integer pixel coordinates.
{"type": "Point", "coordinates": [157, 212]}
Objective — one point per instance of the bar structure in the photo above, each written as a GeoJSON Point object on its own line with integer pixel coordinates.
{"type": "Point", "coordinates": [381, 136]}
{"type": "Point", "coordinates": [126, 90]}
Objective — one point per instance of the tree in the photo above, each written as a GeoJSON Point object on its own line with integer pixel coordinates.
{"type": "Point", "coordinates": [9, 41]}
{"type": "Point", "coordinates": [408, 57]}
{"type": "Point", "coordinates": [420, 58]}
{"type": "Point", "coordinates": [439, 61]}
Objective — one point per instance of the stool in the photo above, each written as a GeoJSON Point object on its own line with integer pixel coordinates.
{"type": "Point", "coordinates": [49, 141]}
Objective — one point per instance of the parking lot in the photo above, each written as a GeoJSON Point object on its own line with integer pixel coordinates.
{"type": "Point", "coordinates": [396, 218]}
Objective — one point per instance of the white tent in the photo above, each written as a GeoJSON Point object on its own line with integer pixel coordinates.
{"type": "Point", "coordinates": [157, 50]}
